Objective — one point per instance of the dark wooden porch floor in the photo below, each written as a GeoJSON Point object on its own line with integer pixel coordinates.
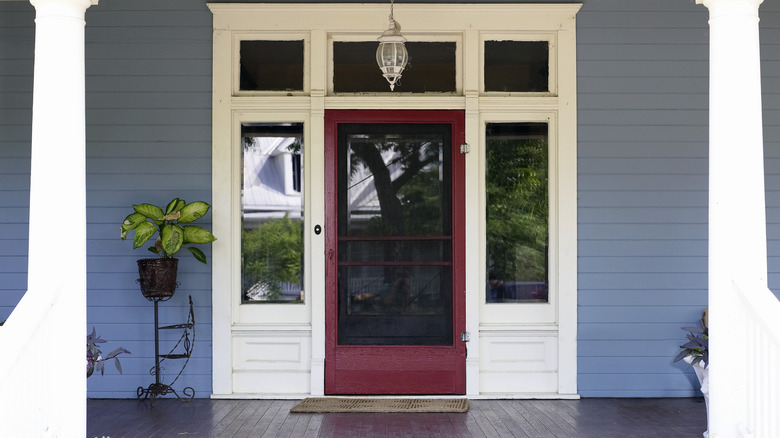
{"type": "Point", "coordinates": [602, 418]}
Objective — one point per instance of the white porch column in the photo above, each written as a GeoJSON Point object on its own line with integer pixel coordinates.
{"type": "Point", "coordinates": [737, 223]}
{"type": "Point", "coordinates": [57, 242]}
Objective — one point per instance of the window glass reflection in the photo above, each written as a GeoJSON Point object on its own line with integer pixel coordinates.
{"type": "Point", "coordinates": [517, 66]}
{"type": "Point", "coordinates": [272, 212]}
{"type": "Point", "coordinates": [395, 234]}
{"type": "Point", "coordinates": [431, 68]}
{"type": "Point", "coordinates": [271, 65]}
{"type": "Point", "coordinates": [517, 212]}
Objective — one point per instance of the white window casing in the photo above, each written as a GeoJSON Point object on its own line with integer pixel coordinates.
{"type": "Point", "coordinates": [499, 332]}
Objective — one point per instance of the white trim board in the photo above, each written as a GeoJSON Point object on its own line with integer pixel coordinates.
{"type": "Point", "coordinates": [554, 329]}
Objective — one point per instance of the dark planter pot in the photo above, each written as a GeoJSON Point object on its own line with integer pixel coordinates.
{"type": "Point", "coordinates": [158, 277]}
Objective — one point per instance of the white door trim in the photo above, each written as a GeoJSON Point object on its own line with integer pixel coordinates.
{"type": "Point", "coordinates": [319, 25]}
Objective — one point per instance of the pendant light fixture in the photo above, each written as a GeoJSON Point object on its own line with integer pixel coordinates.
{"type": "Point", "coordinates": [391, 55]}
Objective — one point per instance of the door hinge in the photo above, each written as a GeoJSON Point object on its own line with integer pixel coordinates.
{"type": "Point", "coordinates": [465, 336]}
{"type": "Point", "coordinates": [465, 148]}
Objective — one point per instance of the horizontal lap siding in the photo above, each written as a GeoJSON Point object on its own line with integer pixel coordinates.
{"type": "Point", "coordinates": [148, 140]}
{"type": "Point", "coordinates": [16, 67]}
{"type": "Point", "coordinates": [148, 85]}
{"type": "Point", "coordinates": [770, 72]}
{"type": "Point", "coordinates": [642, 182]}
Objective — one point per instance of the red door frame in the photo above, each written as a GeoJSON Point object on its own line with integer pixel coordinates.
{"type": "Point", "coordinates": [353, 369]}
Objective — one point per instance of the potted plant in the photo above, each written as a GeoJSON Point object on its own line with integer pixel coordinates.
{"type": "Point", "coordinates": [158, 275]}
{"type": "Point", "coordinates": [94, 355]}
{"type": "Point", "coordinates": [697, 354]}
{"type": "Point", "coordinates": [696, 350]}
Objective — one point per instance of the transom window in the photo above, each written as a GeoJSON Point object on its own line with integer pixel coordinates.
{"type": "Point", "coordinates": [271, 65]}
{"type": "Point", "coordinates": [431, 68]}
{"type": "Point", "coordinates": [517, 66]}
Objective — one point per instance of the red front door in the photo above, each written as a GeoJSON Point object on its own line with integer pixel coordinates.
{"type": "Point", "coordinates": [394, 252]}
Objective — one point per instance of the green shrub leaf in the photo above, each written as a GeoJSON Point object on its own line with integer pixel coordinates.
{"type": "Point", "coordinates": [174, 205]}
{"type": "Point", "coordinates": [193, 234]}
{"type": "Point", "coordinates": [143, 232]}
{"type": "Point", "coordinates": [153, 212]}
{"type": "Point", "coordinates": [199, 256]}
{"type": "Point", "coordinates": [172, 237]}
{"type": "Point", "coordinates": [131, 222]}
{"type": "Point", "coordinates": [192, 211]}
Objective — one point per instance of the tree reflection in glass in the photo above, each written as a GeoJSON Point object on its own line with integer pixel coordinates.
{"type": "Point", "coordinates": [517, 212]}
{"type": "Point", "coordinates": [395, 234]}
{"type": "Point", "coordinates": [272, 212]}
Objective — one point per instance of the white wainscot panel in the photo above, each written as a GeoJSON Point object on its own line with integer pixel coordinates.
{"type": "Point", "coordinates": [516, 363]}
{"type": "Point", "coordinates": [271, 363]}
{"type": "Point", "coordinates": [271, 351]}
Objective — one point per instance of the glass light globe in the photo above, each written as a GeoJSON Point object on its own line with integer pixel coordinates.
{"type": "Point", "coordinates": [391, 55]}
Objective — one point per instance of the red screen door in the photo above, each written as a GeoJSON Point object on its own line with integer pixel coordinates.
{"type": "Point", "coordinates": [394, 252]}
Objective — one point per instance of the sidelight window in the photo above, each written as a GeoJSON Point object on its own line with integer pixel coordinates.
{"type": "Point", "coordinates": [271, 213]}
{"type": "Point", "coordinates": [516, 186]}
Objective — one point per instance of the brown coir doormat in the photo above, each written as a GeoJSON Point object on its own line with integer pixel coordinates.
{"type": "Point", "coordinates": [335, 404]}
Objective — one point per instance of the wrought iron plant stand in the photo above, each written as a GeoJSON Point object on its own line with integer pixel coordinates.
{"type": "Point", "coordinates": [159, 389]}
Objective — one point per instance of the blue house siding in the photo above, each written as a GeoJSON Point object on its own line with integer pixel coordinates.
{"type": "Point", "coordinates": [642, 183]}
{"type": "Point", "coordinates": [770, 56]}
{"type": "Point", "coordinates": [148, 85]}
{"type": "Point", "coordinates": [16, 67]}
{"type": "Point", "coordinates": [642, 178]}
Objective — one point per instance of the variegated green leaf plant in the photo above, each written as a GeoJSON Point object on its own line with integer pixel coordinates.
{"type": "Point", "coordinates": [148, 220]}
